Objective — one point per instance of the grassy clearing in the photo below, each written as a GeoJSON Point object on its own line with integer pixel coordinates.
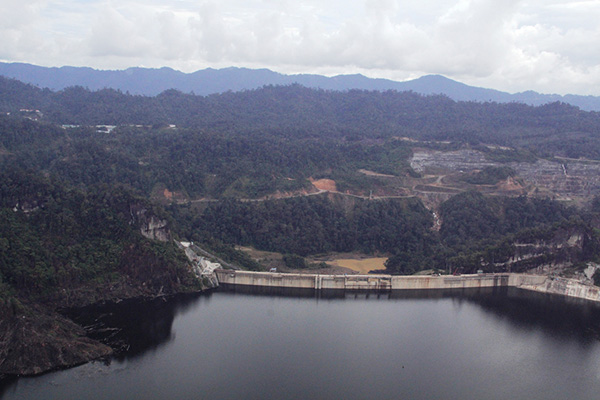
{"type": "Point", "coordinates": [360, 265]}
{"type": "Point", "coordinates": [353, 261]}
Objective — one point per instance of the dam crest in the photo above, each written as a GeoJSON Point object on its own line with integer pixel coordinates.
{"type": "Point", "coordinates": [382, 282]}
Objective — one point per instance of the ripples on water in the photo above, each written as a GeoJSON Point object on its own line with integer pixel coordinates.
{"type": "Point", "coordinates": [250, 344]}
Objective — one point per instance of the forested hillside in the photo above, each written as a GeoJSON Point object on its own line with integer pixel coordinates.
{"type": "Point", "coordinates": [54, 237]}
{"type": "Point", "coordinates": [492, 234]}
{"type": "Point", "coordinates": [316, 224]}
{"type": "Point", "coordinates": [295, 111]}
{"type": "Point", "coordinates": [197, 163]}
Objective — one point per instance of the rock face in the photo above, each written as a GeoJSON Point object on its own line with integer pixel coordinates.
{"type": "Point", "coordinates": [156, 229]}
{"type": "Point", "coordinates": [546, 256]}
{"type": "Point", "coordinates": [590, 271]}
{"type": "Point", "coordinates": [151, 226]}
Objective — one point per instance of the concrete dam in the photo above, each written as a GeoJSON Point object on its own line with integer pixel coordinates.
{"type": "Point", "coordinates": [538, 283]}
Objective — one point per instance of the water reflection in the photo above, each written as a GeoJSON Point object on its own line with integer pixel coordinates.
{"type": "Point", "coordinates": [559, 316]}
{"type": "Point", "coordinates": [6, 383]}
{"type": "Point", "coordinates": [275, 291]}
{"type": "Point", "coordinates": [133, 327]}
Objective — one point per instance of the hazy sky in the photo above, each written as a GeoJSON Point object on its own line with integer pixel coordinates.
{"type": "Point", "coordinates": [550, 46]}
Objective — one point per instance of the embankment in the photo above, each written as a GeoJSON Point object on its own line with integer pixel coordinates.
{"type": "Point", "coordinates": [538, 283]}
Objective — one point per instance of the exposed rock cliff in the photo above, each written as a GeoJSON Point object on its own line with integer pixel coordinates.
{"type": "Point", "coordinates": [550, 252]}
{"type": "Point", "coordinates": [151, 226]}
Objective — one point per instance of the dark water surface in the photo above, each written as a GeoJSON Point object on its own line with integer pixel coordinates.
{"type": "Point", "coordinates": [405, 345]}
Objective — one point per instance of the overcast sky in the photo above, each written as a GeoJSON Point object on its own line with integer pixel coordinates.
{"type": "Point", "coordinates": [550, 46]}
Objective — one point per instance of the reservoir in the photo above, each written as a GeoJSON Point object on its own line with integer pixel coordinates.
{"type": "Point", "coordinates": [468, 344]}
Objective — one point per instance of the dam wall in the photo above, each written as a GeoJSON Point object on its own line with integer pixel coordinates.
{"type": "Point", "coordinates": [557, 285]}
{"type": "Point", "coordinates": [450, 281]}
{"type": "Point", "coordinates": [538, 283]}
{"type": "Point", "coordinates": [304, 281]}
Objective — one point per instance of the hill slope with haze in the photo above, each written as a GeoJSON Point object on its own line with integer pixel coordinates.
{"type": "Point", "coordinates": [150, 82]}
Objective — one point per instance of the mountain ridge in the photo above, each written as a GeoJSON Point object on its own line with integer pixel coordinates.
{"type": "Point", "coordinates": [152, 81]}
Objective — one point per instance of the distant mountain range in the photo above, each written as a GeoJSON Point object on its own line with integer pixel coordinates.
{"type": "Point", "coordinates": [150, 82]}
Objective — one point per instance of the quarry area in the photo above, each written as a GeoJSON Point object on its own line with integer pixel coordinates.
{"type": "Point", "coordinates": [559, 178]}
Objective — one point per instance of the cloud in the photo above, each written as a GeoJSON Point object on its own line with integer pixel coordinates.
{"type": "Point", "coordinates": [113, 34]}
{"type": "Point", "coordinates": [17, 28]}
{"type": "Point", "coordinates": [545, 45]}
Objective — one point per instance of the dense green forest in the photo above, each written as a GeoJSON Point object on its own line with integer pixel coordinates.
{"type": "Point", "coordinates": [316, 224]}
{"type": "Point", "coordinates": [196, 163]}
{"type": "Point", "coordinates": [295, 111]}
